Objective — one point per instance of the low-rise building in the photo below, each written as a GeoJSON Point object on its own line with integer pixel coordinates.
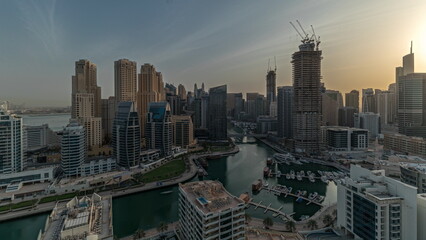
{"type": "Point", "coordinates": [414, 174]}
{"type": "Point", "coordinates": [98, 166]}
{"type": "Point", "coordinates": [81, 218]}
{"type": "Point", "coordinates": [208, 211]}
{"type": "Point", "coordinates": [405, 144]}
{"type": "Point", "coordinates": [344, 138]}
{"type": "Point", "coordinates": [266, 124]}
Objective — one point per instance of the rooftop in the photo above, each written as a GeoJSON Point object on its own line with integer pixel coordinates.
{"type": "Point", "coordinates": [210, 196]}
{"type": "Point", "coordinates": [418, 167]}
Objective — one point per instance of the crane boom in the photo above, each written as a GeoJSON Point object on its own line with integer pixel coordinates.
{"type": "Point", "coordinates": [297, 30]}
{"type": "Point", "coordinates": [314, 35]}
{"type": "Point", "coordinates": [300, 25]}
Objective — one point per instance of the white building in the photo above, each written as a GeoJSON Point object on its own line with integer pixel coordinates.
{"type": "Point", "coordinates": [208, 211]}
{"type": "Point", "coordinates": [73, 149]}
{"type": "Point", "coordinates": [369, 121]}
{"type": "Point", "coordinates": [39, 137]}
{"type": "Point", "coordinates": [11, 144]}
{"type": "Point", "coordinates": [373, 206]}
{"type": "Point", "coordinates": [344, 138]}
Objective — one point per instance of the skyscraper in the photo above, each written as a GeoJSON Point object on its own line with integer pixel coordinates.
{"type": "Point", "coordinates": [346, 116]}
{"type": "Point", "coordinates": [370, 121]}
{"type": "Point", "coordinates": [126, 135]}
{"type": "Point", "coordinates": [85, 82]}
{"type": "Point", "coordinates": [109, 108]}
{"type": "Point", "coordinates": [368, 100]}
{"type": "Point", "coordinates": [181, 92]}
{"type": "Point", "coordinates": [183, 131]}
{"type": "Point", "coordinates": [125, 80]}
{"type": "Point", "coordinates": [385, 104]}
{"type": "Point", "coordinates": [271, 87]}
{"type": "Point", "coordinates": [86, 101]}
{"type": "Point", "coordinates": [352, 99]}
{"type": "Point", "coordinates": [150, 89]}
{"type": "Point", "coordinates": [331, 102]}
{"type": "Point", "coordinates": [307, 96]}
{"type": "Point", "coordinates": [159, 129]}
{"type": "Point", "coordinates": [217, 123]}
{"type": "Point", "coordinates": [73, 149]}
{"type": "Point", "coordinates": [285, 111]}
{"type": "Point", "coordinates": [11, 144]}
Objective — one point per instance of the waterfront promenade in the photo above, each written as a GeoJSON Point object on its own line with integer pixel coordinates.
{"type": "Point", "coordinates": [187, 175]}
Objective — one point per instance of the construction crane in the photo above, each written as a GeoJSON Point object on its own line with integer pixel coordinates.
{"type": "Point", "coordinates": [307, 39]}
{"type": "Point", "coordinates": [275, 60]}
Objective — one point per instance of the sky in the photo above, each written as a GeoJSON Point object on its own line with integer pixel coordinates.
{"type": "Point", "coordinates": [195, 41]}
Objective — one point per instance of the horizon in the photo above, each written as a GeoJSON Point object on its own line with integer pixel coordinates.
{"type": "Point", "coordinates": [47, 40]}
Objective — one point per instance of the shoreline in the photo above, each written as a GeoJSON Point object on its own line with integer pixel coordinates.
{"type": "Point", "coordinates": [186, 176]}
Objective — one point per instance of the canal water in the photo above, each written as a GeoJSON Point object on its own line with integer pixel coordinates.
{"type": "Point", "coordinates": [147, 209]}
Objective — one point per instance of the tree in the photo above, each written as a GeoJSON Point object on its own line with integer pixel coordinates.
{"type": "Point", "coordinates": [312, 224]}
{"type": "Point", "coordinates": [248, 217]}
{"type": "Point", "coordinates": [328, 220]}
{"type": "Point", "coordinates": [290, 225]}
{"type": "Point", "coordinates": [268, 222]}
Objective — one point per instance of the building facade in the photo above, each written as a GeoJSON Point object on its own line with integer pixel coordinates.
{"type": "Point", "coordinates": [217, 121]}
{"type": "Point", "coordinates": [208, 211]}
{"type": "Point", "coordinates": [126, 140]}
{"type": "Point", "coordinates": [373, 206]}
{"type": "Point", "coordinates": [307, 97]}
{"type": "Point", "coordinates": [369, 121]}
{"type": "Point", "coordinates": [352, 99]}
{"type": "Point", "coordinates": [125, 80]}
{"type": "Point", "coordinates": [345, 139]}
{"type": "Point", "coordinates": [183, 131]}
{"type": "Point", "coordinates": [159, 129]}
{"type": "Point", "coordinates": [73, 149]}
{"type": "Point", "coordinates": [346, 116]}
{"type": "Point", "coordinates": [11, 144]}
{"type": "Point", "coordinates": [405, 144]}
{"type": "Point", "coordinates": [285, 112]}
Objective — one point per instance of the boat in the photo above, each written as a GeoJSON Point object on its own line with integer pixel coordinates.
{"type": "Point", "coordinates": [311, 178]}
{"type": "Point", "coordinates": [299, 200]}
{"type": "Point", "coordinates": [304, 193]}
{"type": "Point", "coordinates": [256, 185]}
{"type": "Point", "coordinates": [298, 192]}
{"type": "Point", "coordinates": [265, 184]}
{"type": "Point", "coordinates": [292, 174]}
{"type": "Point", "coordinates": [320, 199]}
{"type": "Point", "coordinates": [314, 195]}
{"type": "Point", "coordinates": [302, 173]}
{"type": "Point", "coordinates": [299, 178]}
{"type": "Point", "coordinates": [278, 174]}
{"type": "Point", "coordinates": [287, 176]}
{"type": "Point", "coordinates": [266, 171]}
{"type": "Point", "coordinates": [304, 217]}
{"type": "Point", "coordinates": [290, 189]}
{"type": "Point", "coordinates": [269, 161]}
{"type": "Point", "coordinates": [166, 192]}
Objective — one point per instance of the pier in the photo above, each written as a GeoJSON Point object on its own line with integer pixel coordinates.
{"type": "Point", "coordinates": [287, 193]}
{"type": "Point", "coordinates": [278, 211]}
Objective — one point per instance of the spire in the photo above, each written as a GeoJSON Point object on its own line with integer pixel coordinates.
{"type": "Point", "coordinates": [411, 48]}
{"type": "Point", "coordinates": [275, 60]}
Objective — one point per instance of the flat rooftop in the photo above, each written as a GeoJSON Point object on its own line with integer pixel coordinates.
{"type": "Point", "coordinates": [419, 167]}
{"type": "Point", "coordinates": [210, 196]}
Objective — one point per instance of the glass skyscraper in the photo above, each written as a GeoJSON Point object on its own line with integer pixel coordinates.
{"type": "Point", "coordinates": [11, 144]}
{"type": "Point", "coordinates": [158, 129]}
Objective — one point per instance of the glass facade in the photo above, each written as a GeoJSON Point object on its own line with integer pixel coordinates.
{"type": "Point", "coordinates": [364, 218]}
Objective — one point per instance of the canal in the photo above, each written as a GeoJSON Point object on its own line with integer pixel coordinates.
{"type": "Point", "coordinates": [147, 209]}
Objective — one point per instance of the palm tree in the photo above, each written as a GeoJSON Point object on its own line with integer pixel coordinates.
{"type": "Point", "coordinates": [268, 222]}
{"type": "Point", "coordinates": [327, 220]}
{"type": "Point", "coordinates": [290, 225]}
{"type": "Point", "coordinates": [312, 224]}
{"type": "Point", "coordinates": [248, 218]}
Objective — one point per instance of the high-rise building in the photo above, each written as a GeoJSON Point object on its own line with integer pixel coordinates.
{"type": "Point", "coordinates": [373, 206]}
{"type": "Point", "coordinates": [307, 96]}
{"type": "Point", "coordinates": [109, 108]}
{"type": "Point", "coordinates": [73, 149]}
{"type": "Point", "coordinates": [159, 129]}
{"type": "Point", "coordinates": [368, 100]}
{"type": "Point", "coordinates": [352, 99]}
{"type": "Point", "coordinates": [285, 111]}
{"type": "Point", "coordinates": [208, 211]}
{"type": "Point", "coordinates": [345, 138]}
{"type": "Point", "coordinates": [11, 144]}
{"type": "Point", "coordinates": [39, 137]}
{"type": "Point", "coordinates": [369, 121]}
{"type": "Point", "coordinates": [125, 80]}
{"type": "Point", "coordinates": [182, 92]}
{"type": "Point", "coordinates": [217, 122]}
{"type": "Point", "coordinates": [385, 105]}
{"type": "Point", "coordinates": [331, 102]}
{"type": "Point", "coordinates": [271, 87]}
{"type": "Point", "coordinates": [408, 62]}
{"type": "Point", "coordinates": [86, 101]}
{"type": "Point", "coordinates": [412, 104]}
{"type": "Point", "coordinates": [126, 139]}
{"type": "Point", "coordinates": [85, 82]}
{"type": "Point", "coordinates": [183, 131]}
{"type": "Point", "coordinates": [234, 104]}
{"type": "Point", "coordinates": [346, 116]}
{"type": "Point", "coordinates": [150, 89]}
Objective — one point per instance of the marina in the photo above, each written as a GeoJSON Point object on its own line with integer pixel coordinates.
{"type": "Point", "coordinates": [276, 212]}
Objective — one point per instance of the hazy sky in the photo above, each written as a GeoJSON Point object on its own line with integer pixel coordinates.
{"type": "Point", "coordinates": [215, 42]}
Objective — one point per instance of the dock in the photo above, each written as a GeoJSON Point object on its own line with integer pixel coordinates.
{"type": "Point", "coordinates": [309, 201]}
{"type": "Point", "coordinates": [278, 211]}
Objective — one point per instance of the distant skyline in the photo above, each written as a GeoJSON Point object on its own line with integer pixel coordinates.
{"type": "Point", "coordinates": [215, 42]}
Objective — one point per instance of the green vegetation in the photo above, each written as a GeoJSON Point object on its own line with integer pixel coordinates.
{"type": "Point", "coordinates": [290, 225]}
{"type": "Point", "coordinates": [58, 197]}
{"type": "Point", "coordinates": [169, 170]}
{"type": "Point", "coordinates": [312, 224]}
{"type": "Point", "coordinates": [18, 205]}
{"type": "Point", "coordinates": [328, 220]}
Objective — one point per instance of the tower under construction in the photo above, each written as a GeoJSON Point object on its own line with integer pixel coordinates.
{"type": "Point", "coordinates": [307, 95]}
{"type": "Point", "coordinates": [271, 86]}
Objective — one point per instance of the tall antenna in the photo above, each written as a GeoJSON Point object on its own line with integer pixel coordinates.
{"type": "Point", "coordinates": [275, 60]}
